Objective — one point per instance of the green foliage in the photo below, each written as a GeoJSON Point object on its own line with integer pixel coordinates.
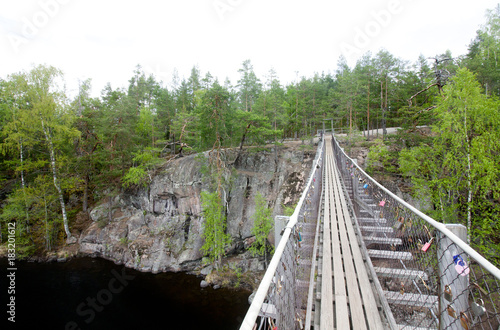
{"type": "Point", "coordinates": [214, 229]}
{"type": "Point", "coordinates": [139, 175]}
{"type": "Point", "coordinates": [35, 210]}
{"type": "Point", "coordinates": [263, 223]}
{"type": "Point", "coordinates": [92, 145]}
{"type": "Point", "coordinates": [459, 170]}
{"type": "Point", "coordinates": [249, 86]}
{"type": "Point", "coordinates": [135, 176]}
{"type": "Point", "coordinates": [482, 57]}
{"type": "Point", "coordinates": [14, 212]}
{"type": "Point", "coordinates": [288, 210]}
{"type": "Point", "coordinates": [380, 159]}
{"type": "Point", "coordinates": [124, 241]}
{"type": "Point", "coordinates": [101, 223]}
{"type": "Point", "coordinates": [306, 147]}
{"type": "Point", "coordinates": [37, 136]}
{"type": "Point", "coordinates": [239, 274]}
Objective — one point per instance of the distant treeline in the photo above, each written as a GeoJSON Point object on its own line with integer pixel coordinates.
{"type": "Point", "coordinates": [61, 154]}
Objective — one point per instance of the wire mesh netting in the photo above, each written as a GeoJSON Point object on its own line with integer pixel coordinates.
{"type": "Point", "coordinates": [428, 280]}
{"type": "Point", "coordinates": [286, 300]}
{"type": "Point", "coordinates": [426, 275]}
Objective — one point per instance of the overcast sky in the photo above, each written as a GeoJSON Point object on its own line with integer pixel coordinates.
{"type": "Point", "coordinates": [105, 40]}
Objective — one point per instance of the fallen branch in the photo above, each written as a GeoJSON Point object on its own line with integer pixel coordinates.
{"type": "Point", "coordinates": [420, 92]}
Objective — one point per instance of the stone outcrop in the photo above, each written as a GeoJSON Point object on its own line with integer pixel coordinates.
{"type": "Point", "coordinates": [159, 228]}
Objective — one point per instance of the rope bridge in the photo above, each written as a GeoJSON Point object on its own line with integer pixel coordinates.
{"type": "Point", "coordinates": [355, 256]}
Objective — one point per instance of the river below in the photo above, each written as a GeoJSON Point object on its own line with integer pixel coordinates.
{"type": "Point", "coordinates": [88, 293]}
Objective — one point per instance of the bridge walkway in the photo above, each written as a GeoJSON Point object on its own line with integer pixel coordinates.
{"type": "Point", "coordinates": [354, 255]}
{"type": "Point", "coordinates": [345, 296]}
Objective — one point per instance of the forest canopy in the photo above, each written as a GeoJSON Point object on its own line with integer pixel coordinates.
{"type": "Point", "coordinates": [61, 154]}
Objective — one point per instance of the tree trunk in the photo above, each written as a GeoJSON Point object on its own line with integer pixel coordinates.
{"type": "Point", "coordinates": [172, 149]}
{"type": "Point", "coordinates": [236, 161]}
{"type": "Point", "coordinates": [152, 134]}
{"type": "Point", "coordinates": [56, 180]}
{"type": "Point", "coordinates": [296, 112]}
{"type": "Point", "coordinates": [386, 108]}
{"type": "Point", "coordinates": [381, 104]}
{"type": "Point", "coordinates": [275, 108]}
{"type": "Point", "coordinates": [48, 244]}
{"type": "Point", "coordinates": [23, 185]}
{"type": "Point", "coordinates": [469, 183]}
{"type": "Point", "coordinates": [368, 113]}
{"type": "Point", "coordinates": [350, 117]}
{"type": "Point", "coordinates": [85, 194]}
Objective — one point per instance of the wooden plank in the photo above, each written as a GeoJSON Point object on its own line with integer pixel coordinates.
{"type": "Point", "coordinates": [351, 277]}
{"type": "Point", "coordinates": [383, 240]}
{"type": "Point", "coordinates": [384, 254]}
{"type": "Point", "coordinates": [411, 299]}
{"type": "Point", "coordinates": [326, 318]}
{"type": "Point", "coordinates": [401, 273]}
{"type": "Point", "coordinates": [409, 327]}
{"type": "Point", "coordinates": [302, 283]}
{"type": "Point", "coordinates": [388, 317]}
{"type": "Point", "coordinates": [306, 262]}
{"type": "Point", "coordinates": [341, 308]}
{"type": "Point", "coordinates": [373, 318]}
{"type": "Point", "coordinates": [377, 229]}
{"type": "Point", "coordinates": [310, 315]}
{"type": "Point", "coordinates": [372, 220]}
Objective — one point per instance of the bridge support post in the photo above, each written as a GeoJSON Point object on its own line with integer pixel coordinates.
{"type": "Point", "coordinates": [280, 222]}
{"type": "Point", "coordinates": [450, 278]}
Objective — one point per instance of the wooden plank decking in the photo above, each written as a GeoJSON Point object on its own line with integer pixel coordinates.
{"type": "Point", "coordinates": [347, 298]}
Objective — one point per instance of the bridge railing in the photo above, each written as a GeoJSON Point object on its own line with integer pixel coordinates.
{"type": "Point", "coordinates": [281, 299]}
{"type": "Point", "coordinates": [427, 275]}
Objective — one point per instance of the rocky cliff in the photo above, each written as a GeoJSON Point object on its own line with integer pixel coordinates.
{"type": "Point", "coordinates": [159, 228]}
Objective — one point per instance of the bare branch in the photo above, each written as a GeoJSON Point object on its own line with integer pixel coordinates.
{"type": "Point", "coordinates": [420, 92]}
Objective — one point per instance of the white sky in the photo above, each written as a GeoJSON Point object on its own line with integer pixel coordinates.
{"type": "Point", "coordinates": [106, 39]}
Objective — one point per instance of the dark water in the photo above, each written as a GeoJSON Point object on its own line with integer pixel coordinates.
{"type": "Point", "coordinates": [91, 293]}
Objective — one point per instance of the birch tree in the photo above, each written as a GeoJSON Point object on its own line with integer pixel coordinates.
{"type": "Point", "coordinates": [18, 139]}
{"type": "Point", "coordinates": [460, 168]}
{"type": "Point", "coordinates": [41, 119]}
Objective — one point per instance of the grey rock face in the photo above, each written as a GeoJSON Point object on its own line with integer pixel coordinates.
{"type": "Point", "coordinates": [159, 228]}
